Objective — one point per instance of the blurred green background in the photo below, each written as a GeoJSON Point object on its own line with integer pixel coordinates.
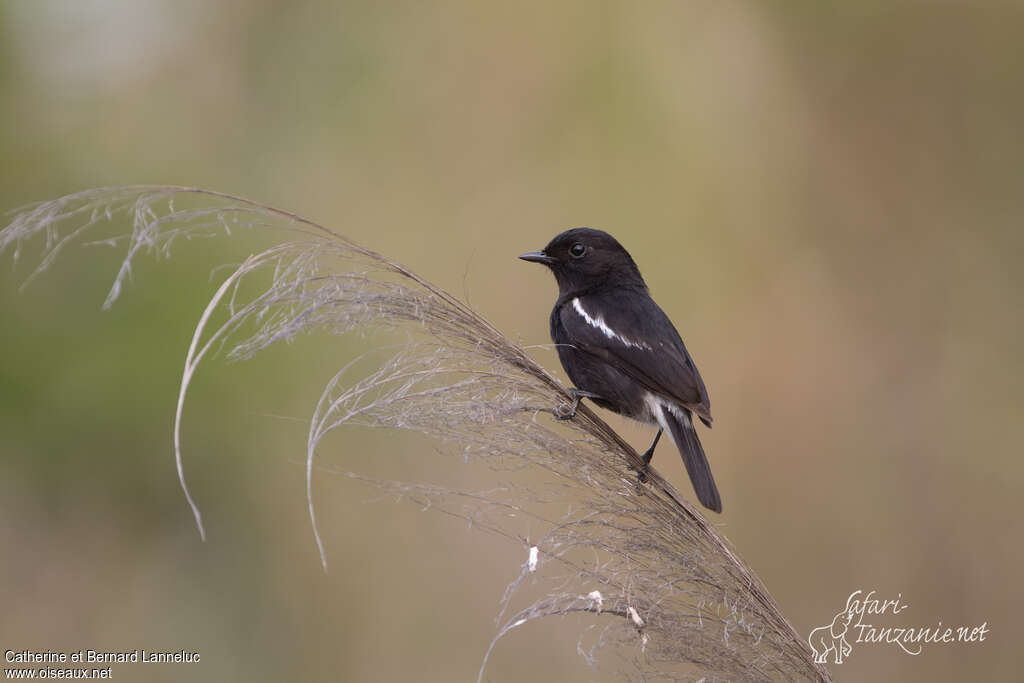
{"type": "Point", "coordinates": [826, 198]}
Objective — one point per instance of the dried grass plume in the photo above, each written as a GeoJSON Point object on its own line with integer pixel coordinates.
{"type": "Point", "coordinates": [668, 590]}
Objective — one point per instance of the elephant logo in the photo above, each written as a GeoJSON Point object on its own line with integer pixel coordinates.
{"type": "Point", "coordinates": [832, 638]}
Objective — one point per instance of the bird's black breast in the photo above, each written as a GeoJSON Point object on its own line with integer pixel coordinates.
{"type": "Point", "coordinates": [619, 344]}
{"type": "Point", "coordinates": [618, 391]}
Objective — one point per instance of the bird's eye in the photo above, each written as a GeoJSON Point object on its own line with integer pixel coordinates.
{"type": "Point", "coordinates": [577, 250]}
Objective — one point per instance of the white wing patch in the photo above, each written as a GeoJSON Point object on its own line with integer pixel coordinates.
{"type": "Point", "coordinates": [600, 324]}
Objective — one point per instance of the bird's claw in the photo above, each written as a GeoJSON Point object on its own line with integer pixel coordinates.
{"type": "Point", "coordinates": [641, 473]}
{"type": "Point", "coordinates": [562, 412]}
{"type": "Point", "coordinates": [646, 456]}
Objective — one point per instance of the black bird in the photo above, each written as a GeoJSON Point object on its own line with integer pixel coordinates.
{"type": "Point", "coordinates": [621, 350]}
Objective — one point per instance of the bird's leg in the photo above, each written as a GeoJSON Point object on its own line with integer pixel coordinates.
{"type": "Point", "coordinates": [577, 396]}
{"type": "Point", "coordinates": [649, 453]}
{"type": "Point", "coordinates": [641, 474]}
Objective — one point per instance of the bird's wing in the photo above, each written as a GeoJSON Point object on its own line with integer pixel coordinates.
{"type": "Point", "coordinates": [626, 329]}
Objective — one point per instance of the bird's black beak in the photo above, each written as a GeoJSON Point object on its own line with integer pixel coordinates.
{"type": "Point", "coordinates": [537, 257]}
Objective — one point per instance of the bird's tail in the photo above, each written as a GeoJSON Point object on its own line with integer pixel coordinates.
{"type": "Point", "coordinates": [680, 428]}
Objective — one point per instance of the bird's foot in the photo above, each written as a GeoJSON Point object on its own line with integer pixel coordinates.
{"type": "Point", "coordinates": [649, 453]}
{"type": "Point", "coordinates": [641, 473]}
{"type": "Point", "coordinates": [563, 412]}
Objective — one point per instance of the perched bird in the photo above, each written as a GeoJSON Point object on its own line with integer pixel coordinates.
{"type": "Point", "coordinates": [621, 350]}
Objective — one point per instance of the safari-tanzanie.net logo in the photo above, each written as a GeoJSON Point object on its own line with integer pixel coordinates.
{"type": "Point", "coordinates": [864, 620]}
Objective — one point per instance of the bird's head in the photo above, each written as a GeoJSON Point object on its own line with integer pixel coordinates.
{"type": "Point", "coordinates": [583, 259]}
